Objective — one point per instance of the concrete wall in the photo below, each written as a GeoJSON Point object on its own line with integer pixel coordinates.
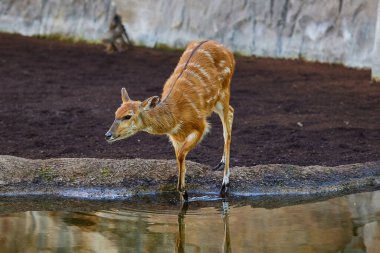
{"type": "Point", "coordinates": [84, 19]}
{"type": "Point", "coordinates": [337, 31]}
{"type": "Point", "coordinates": [376, 49]}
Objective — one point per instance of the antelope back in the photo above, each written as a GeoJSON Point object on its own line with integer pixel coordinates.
{"type": "Point", "coordinates": [201, 77]}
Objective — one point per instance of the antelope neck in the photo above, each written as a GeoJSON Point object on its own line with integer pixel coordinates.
{"type": "Point", "coordinates": [159, 119]}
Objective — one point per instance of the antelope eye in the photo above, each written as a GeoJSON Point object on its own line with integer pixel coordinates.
{"type": "Point", "coordinates": [127, 117]}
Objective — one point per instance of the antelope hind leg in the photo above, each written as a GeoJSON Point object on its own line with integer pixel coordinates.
{"type": "Point", "coordinates": [227, 128]}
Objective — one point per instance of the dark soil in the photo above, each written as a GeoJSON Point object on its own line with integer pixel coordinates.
{"type": "Point", "coordinates": [58, 99]}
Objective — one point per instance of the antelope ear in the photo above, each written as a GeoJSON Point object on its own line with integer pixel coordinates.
{"type": "Point", "coordinates": [150, 103]}
{"type": "Point", "coordinates": [124, 95]}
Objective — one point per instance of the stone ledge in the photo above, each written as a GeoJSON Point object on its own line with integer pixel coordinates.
{"type": "Point", "coordinates": [109, 178]}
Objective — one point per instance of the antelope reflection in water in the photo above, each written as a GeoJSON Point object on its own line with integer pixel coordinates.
{"type": "Point", "coordinates": [346, 224]}
{"type": "Point", "coordinates": [181, 235]}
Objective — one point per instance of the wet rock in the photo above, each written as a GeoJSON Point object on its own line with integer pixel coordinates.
{"type": "Point", "coordinates": [105, 177]}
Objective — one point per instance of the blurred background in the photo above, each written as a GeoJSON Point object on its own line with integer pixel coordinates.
{"type": "Point", "coordinates": [334, 31]}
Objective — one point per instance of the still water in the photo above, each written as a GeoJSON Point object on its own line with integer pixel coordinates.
{"type": "Point", "coordinates": [348, 224]}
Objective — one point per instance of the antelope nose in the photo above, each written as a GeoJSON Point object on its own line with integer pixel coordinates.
{"type": "Point", "coordinates": [108, 135]}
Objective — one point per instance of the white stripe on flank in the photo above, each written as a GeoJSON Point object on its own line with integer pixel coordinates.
{"type": "Point", "coordinates": [208, 54]}
{"type": "Point", "coordinates": [222, 63]}
{"type": "Point", "coordinates": [199, 79]}
{"type": "Point", "coordinates": [227, 70]}
{"type": "Point", "coordinates": [192, 105]}
{"type": "Point", "coordinates": [200, 98]}
{"type": "Point", "coordinates": [202, 70]}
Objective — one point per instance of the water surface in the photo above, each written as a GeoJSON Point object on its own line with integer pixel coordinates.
{"type": "Point", "coordinates": [264, 224]}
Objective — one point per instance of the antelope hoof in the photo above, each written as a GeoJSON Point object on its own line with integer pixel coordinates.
{"type": "Point", "coordinates": [220, 166]}
{"type": "Point", "coordinates": [184, 197]}
{"type": "Point", "coordinates": [224, 191]}
{"type": "Point", "coordinates": [184, 207]}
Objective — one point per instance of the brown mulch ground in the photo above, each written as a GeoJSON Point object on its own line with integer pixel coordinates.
{"type": "Point", "coordinates": [58, 99]}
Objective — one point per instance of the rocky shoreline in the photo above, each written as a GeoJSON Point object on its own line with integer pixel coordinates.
{"type": "Point", "coordinates": [110, 178]}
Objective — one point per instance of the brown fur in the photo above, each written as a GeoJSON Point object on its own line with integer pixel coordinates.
{"type": "Point", "coordinates": [189, 97]}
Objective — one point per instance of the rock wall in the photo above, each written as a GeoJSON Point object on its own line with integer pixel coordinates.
{"type": "Point", "coordinates": [84, 19]}
{"type": "Point", "coordinates": [376, 50]}
{"type": "Point", "coordinates": [336, 31]}
{"type": "Point", "coordinates": [341, 31]}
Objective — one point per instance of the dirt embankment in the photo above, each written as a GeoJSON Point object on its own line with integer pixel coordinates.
{"type": "Point", "coordinates": [58, 99]}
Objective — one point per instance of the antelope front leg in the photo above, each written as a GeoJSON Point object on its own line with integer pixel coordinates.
{"type": "Point", "coordinates": [181, 151]}
{"type": "Point", "coordinates": [181, 176]}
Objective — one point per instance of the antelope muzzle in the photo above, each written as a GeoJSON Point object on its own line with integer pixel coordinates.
{"type": "Point", "coordinates": [108, 136]}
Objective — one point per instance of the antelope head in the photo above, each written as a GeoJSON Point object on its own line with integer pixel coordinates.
{"type": "Point", "coordinates": [128, 117]}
